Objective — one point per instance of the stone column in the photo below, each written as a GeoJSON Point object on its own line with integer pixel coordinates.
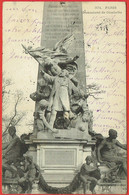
{"type": "Point", "coordinates": [59, 20]}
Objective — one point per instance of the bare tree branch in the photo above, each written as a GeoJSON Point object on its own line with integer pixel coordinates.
{"type": "Point", "coordinates": [95, 97]}
{"type": "Point", "coordinates": [93, 89]}
{"type": "Point", "coordinates": [15, 114]}
{"type": "Point", "coordinates": [20, 118]}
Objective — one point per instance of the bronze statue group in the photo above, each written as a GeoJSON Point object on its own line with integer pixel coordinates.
{"type": "Point", "coordinates": [60, 101]}
{"type": "Point", "coordinates": [16, 161]}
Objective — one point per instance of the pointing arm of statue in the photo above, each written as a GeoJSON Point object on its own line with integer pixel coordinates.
{"type": "Point", "coordinates": [47, 77]}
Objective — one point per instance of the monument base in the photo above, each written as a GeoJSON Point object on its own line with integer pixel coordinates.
{"type": "Point", "coordinates": [59, 159]}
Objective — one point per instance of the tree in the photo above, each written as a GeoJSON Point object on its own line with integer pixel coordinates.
{"type": "Point", "coordinates": [10, 106]}
{"type": "Point", "coordinates": [93, 90]}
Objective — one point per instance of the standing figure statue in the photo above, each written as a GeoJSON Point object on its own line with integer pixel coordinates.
{"type": "Point", "coordinates": [61, 92]}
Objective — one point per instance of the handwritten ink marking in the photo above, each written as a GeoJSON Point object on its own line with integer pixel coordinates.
{"type": "Point", "coordinates": [13, 19]}
{"type": "Point", "coordinates": [36, 22]}
{"type": "Point", "coordinates": [13, 55]}
{"type": "Point", "coordinates": [35, 39]}
{"type": "Point", "coordinates": [14, 30]}
{"type": "Point", "coordinates": [27, 9]}
{"type": "Point", "coordinates": [34, 30]}
{"type": "Point", "coordinates": [12, 9]}
{"type": "Point", "coordinates": [104, 25]}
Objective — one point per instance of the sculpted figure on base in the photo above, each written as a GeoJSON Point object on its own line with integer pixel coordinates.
{"type": "Point", "coordinates": [57, 84]}
{"type": "Point", "coordinates": [89, 173]}
{"type": "Point", "coordinates": [62, 90]}
{"type": "Point", "coordinates": [11, 152]}
{"type": "Point", "coordinates": [108, 152]}
{"type": "Point", "coordinates": [28, 176]}
{"type": "Point", "coordinates": [42, 123]}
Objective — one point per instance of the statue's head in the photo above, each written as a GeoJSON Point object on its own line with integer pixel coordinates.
{"type": "Point", "coordinates": [12, 130]}
{"type": "Point", "coordinates": [112, 133]}
{"type": "Point", "coordinates": [88, 160]}
{"type": "Point", "coordinates": [72, 68]}
{"type": "Point", "coordinates": [73, 65]}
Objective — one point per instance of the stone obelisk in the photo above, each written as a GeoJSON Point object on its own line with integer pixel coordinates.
{"type": "Point", "coordinates": [59, 20]}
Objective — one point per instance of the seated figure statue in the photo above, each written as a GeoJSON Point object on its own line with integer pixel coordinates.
{"type": "Point", "coordinates": [107, 152]}
{"type": "Point", "coordinates": [89, 173]}
{"type": "Point", "coordinates": [11, 152]}
{"type": "Point", "coordinates": [28, 176]}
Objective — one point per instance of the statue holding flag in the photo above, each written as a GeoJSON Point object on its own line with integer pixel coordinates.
{"type": "Point", "coordinates": [57, 72]}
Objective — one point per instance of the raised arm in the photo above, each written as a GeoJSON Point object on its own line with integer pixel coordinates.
{"type": "Point", "coordinates": [47, 77]}
{"type": "Point", "coordinates": [123, 146]}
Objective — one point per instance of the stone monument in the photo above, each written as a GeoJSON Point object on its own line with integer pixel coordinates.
{"type": "Point", "coordinates": [52, 158]}
{"type": "Point", "coordinates": [62, 121]}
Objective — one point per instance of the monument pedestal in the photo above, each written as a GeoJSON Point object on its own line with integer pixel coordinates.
{"type": "Point", "coordinates": [59, 159]}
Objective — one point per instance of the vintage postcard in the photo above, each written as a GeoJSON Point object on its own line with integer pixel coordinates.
{"type": "Point", "coordinates": [64, 125]}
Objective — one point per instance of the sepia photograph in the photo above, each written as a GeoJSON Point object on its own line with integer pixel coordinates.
{"type": "Point", "coordinates": [64, 123]}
